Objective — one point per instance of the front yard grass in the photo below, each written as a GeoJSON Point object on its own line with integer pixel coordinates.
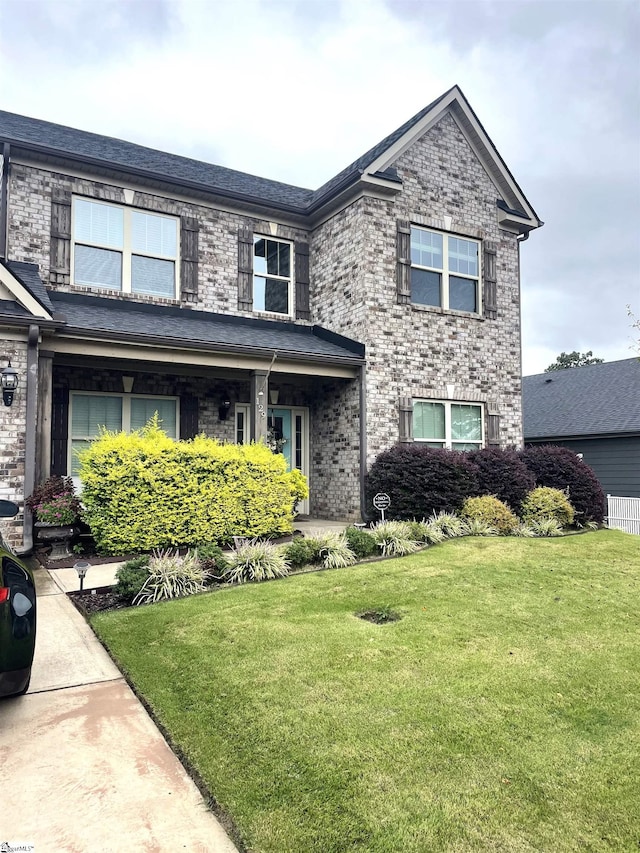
{"type": "Point", "coordinates": [501, 713]}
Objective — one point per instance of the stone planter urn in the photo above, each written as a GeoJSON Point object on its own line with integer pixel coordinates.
{"type": "Point", "coordinates": [56, 535]}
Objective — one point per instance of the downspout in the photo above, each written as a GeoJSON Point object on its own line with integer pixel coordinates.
{"type": "Point", "coordinates": [4, 193]}
{"type": "Point", "coordinates": [30, 435]}
{"type": "Point", "coordinates": [521, 238]}
{"type": "Point", "coordinates": [363, 439]}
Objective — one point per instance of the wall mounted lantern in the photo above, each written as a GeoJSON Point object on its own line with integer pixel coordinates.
{"type": "Point", "coordinates": [274, 396]}
{"type": "Point", "coordinates": [223, 409]}
{"type": "Point", "coordinates": [9, 381]}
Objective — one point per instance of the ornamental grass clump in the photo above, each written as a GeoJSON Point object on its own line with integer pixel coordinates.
{"type": "Point", "coordinates": [394, 538]}
{"type": "Point", "coordinates": [172, 576]}
{"type": "Point", "coordinates": [449, 524]}
{"type": "Point", "coordinates": [491, 512]}
{"type": "Point", "coordinates": [256, 560]}
{"type": "Point", "coordinates": [545, 502]}
{"type": "Point", "coordinates": [334, 550]}
{"type": "Point", "coordinates": [546, 527]}
{"type": "Point", "coordinates": [480, 527]}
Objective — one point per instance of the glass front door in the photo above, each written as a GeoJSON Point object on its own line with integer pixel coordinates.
{"type": "Point", "coordinates": [287, 434]}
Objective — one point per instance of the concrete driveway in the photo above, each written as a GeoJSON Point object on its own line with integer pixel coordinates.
{"type": "Point", "coordinates": [84, 766]}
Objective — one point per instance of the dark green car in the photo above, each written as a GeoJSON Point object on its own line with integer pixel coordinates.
{"type": "Point", "coordinates": [17, 616]}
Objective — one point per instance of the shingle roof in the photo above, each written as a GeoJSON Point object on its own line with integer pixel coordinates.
{"type": "Point", "coordinates": [8, 306]}
{"type": "Point", "coordinates": [597, 399]}
{"type": "Point", "coordinates": [29, 276]}
{"type": "Point", "coordinates": [111, 152]}
{"type": "Point", "coordinates": [193, 329]}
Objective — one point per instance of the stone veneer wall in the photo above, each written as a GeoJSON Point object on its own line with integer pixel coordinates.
{"type": "Point", "coordinates": [13, 424]}
{"type": "Point", "coordinates": [416, 351]}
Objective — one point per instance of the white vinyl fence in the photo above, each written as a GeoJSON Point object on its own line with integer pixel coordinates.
{"type": "Point", "coordinates": [624, 514]}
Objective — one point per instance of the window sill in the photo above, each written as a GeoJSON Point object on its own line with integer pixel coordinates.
{"type": "Point", "coordinates": [274, 315]}
{"type": "Point", "coordinates": [435, 309]}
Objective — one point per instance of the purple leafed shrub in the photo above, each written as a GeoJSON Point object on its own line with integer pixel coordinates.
{"type": "Point", "coordinates": [421, 480]}
{"type": "Point", "coordinates": [503, 473]}
{"type": "Point", "coordinates": [560, 468]}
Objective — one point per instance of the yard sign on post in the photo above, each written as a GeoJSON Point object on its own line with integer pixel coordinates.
{"type": "Point", "coordinates": [382, 501]}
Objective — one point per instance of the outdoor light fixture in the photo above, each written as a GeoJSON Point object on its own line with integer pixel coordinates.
{"type": "Point", "coordinates": [223, 410]}
{"type": "Point", "coordinates": [274, 396]}
{"type": "Point", "coordinates": [82, 567]}
{"type": "Point", "coordinates": [9, 381]}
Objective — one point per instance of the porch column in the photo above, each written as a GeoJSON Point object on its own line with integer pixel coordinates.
{"type": "Point", "coordinates": [259, 405]}
{"type": "Point", "coordinates": [45, 405]}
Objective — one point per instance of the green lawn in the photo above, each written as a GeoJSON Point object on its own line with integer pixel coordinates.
{"type": "Point", "coordinates": [501, 713]}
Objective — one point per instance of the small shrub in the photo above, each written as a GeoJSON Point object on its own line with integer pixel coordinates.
{"type": "Point", "coordinates": [503, 474]}
{"type": "Point", "coordinates": [546, 527]}
{"type": "Point", "coordinates": [361, 542]}
{"type": "Point", "coordinates": [55, 501]}
{"type": "Point", "coordinates": [394, 538]}
{"type": "Point", "coordinates": [334, 550]}
{"type": "Point", "coordinates": [130, 577]}
{"type": "Point", "coordinates": [256, 560]}
{"type": "Point", "coordinates": [421, 480]}
{"type": "Point", "coordinates": [301, 552]}
{"type": "Point", "coordinates": [560, 468]}
{"type": "Point", "coordinates": [212, 560]}
{"type": "Point", "coordinates": [545, 502]}
{"type": "Point", "coordinates": [492, 512]}
{"type": "Point", "coordinates": [171, 576]}
{"type": "Point", "coordinates": [449, 524]}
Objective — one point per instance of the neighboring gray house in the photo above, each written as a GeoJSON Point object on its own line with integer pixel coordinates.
{"type": "Point", "coordinates": [593, 410]}
{"type": "Point", "coordinates": [383, 306]}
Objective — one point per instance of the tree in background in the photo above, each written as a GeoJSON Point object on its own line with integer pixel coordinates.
{"type": "Point", "coordinates": [573, 359]}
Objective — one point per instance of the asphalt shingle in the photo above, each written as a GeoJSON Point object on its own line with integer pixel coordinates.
{"type": "Point", "coordinates": [186, 326]}
{"type": "Point", "coordinates": [597, 399]}
{"type": "Point", "coordinates": [29, 276]}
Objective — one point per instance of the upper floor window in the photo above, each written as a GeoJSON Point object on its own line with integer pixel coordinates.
{"type": "Point", "coordinates": [445, 270]}
{"type": "Point", "coordinates": [124, 249]}
{"type": "Point", "coordinates": [456, 426]}
{"type": "Point", "coordinates": [272, 280]}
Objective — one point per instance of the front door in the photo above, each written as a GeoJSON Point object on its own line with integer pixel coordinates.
{"type": "Point", "coordinates": [287, 434]}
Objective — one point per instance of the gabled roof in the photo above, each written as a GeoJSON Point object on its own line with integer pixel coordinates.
{"type": "Point", "coordinates": [597, 399]}
{"type": "Point", "coordinates": [23, 282]}
{"type": "Point", "coordinates": [95, 316]}
{"type": "Point", "coordinates": [53, 140]}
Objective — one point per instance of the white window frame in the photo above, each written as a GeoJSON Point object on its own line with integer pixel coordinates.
{"type": "Point", "coordinates": [126, 415]}
{"type": "Point", "coordinates": [126, 251]}
{"type": "Point", "coordinates": [288, 280]}
{"type": "Point", "coordinates": [448, 442]}
{"type": "Point", "coordinates": [445, 272]}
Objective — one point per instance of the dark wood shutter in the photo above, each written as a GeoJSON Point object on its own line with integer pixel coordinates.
{"type": "Point", "coordinates": [60, 252]}
{"type": "Point", "coordinates": [189, 229]}
{"type": "Point", "coordinates": [245, 269]}
{"type": "Point", "coordinates": [302, 281]}
{"type": "Point", "coordinates": [188, 416]}
{"type": "Point", "coordinates": [490, 295]}
{"type": "Point", "coordinates": [493, 424]}
{"type": "Point", "coordinates": [59, 431]}
{"type": "Point", "coordinates": [403, 246]}
{"type": "Point", "coordinates": [405, 431]}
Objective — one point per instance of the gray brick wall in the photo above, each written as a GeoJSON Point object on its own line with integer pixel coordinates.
{"type": "Point", "coordinates": [13, 421]}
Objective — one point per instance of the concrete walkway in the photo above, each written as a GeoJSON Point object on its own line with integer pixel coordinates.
{"type": "Point", "coordinates": [84, 766]}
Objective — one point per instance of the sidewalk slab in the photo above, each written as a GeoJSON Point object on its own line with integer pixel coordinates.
{"type": "Point", "coordinates": [86, 769]}
{"type": "Point", "coordinates": [67, 651]}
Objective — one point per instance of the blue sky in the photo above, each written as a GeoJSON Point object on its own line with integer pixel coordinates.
{"type": "Point", "coordinates": [294, 91]}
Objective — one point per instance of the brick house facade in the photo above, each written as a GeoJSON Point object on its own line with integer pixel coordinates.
{"type": "Point", "coordinates": [382, 307]}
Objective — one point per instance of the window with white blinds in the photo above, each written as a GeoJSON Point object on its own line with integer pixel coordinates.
{"type": "Point", "coordinates": [92, 412]}
{"type": "Point", "coordinates": [457, 426]}
{"type": "Point", "coordinates": [119, 248]}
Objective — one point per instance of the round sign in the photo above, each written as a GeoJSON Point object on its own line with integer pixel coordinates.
{"type": "Point", "coordinates": [382, 501]}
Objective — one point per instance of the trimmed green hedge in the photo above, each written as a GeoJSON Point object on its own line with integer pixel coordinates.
{"type": "Point", "coordinates": [143, 490]}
